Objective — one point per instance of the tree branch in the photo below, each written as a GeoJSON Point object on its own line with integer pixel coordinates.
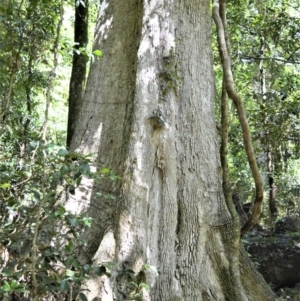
{"type": "Point", "coordinates": [259, 58]}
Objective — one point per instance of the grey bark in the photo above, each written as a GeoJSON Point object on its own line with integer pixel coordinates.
{"type": "Point", "coordinates": [148, 115]}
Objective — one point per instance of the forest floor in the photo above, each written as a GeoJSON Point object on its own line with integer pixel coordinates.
{"type": "Point", "coordinates": [277, 256]}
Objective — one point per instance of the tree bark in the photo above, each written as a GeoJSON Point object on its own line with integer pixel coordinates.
{"type": "Point", "coordinates": [78, 76]}
{"type": "Point", "coordinates": [149, 116]}
{"type": "Point", "coordinates": [272, 186]}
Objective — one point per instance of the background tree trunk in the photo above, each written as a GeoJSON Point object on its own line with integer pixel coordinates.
{"type": "Point", "coordinates": [78, 76]}
{"type": "Point", "coordinates": [149, 116]}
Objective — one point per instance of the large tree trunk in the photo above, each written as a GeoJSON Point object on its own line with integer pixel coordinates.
{"type": "Point", "coordinates": [148, 115]}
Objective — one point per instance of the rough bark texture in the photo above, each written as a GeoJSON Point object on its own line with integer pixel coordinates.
{"type": "Point", "coordinates": [149, 116]}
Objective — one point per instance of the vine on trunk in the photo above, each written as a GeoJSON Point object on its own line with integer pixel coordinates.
{"type": "Point", "coordinates": [223, 45]}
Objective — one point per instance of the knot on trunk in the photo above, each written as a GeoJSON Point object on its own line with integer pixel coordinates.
{"type": "Point", "coordinates": [157, 119]}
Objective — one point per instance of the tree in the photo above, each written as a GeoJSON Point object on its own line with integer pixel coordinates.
{"type": "Point", "coordinates": [80, 59]}
{"type": "Point", "coordinates": [148, 115]}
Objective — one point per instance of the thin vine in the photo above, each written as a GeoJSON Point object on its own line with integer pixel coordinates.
{"type": "Point", "coordinates": [234, 96]}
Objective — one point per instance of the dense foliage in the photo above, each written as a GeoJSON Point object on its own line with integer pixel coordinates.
{"type": "Point", "coordinates": [38, 236]}
{"type": "Point", "coordinates": [265, 55]}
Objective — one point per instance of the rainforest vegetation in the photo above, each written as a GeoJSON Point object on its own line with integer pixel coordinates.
{"type": "Point", "coordinates": [55, 59]}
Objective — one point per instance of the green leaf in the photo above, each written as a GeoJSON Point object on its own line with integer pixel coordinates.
{"type": "Point", "coordinates": [113, 177]}
{"type": "Point", "coordinates": [14, 284]}
{"type": "Point", "coordinates": [64, 170]}
{"type": "Point", "coordinates": [105, 170]}
{"type": "Point", "coordinates": [134, 284]}
{"type": "Point", "coordinates": [147, 267]}
{"type": "Point", "coordinates": [83, 297]}
{"type": "Point", "coordinates": [60, 211]}
{"type": "Point", "coordinates": [97, 53]}
{"type": "Point", "coordinates": [70, 246]}
{"type": "Point", "coordinates": [70, 273]}
{"type": "Point", "coordinates": [150, 268]}
{"type": "Point", "coordinates": [72, 189]}
{"type": "Point", "coordinates": [64, 286]}
{"type": "Point", "coordinates": [21, 290]}
{"type": "Point", "coordinates": [87, 268]}
{"type": "Point", "coordinates": [101, 270]}
{"type": "Point", "coordinates": [87, 221]}
{"type": "Point", "coordinates": [62, 152]}
{"type": "Point", "coordinates": [75, 264]}
{"type": "Point", "coordinates": [6, 287]}
{"type": "Point", "coordinates": [5, 185]}
{"type": "Point", "coordinates": [109, 197]}
{"type": "Point", "coordinates": [78, 181]}
{"type": "Point", "coordinates": [144, 285]}
{"type": "Point", "coordinates": [84, 167]}
{"type": "Point", "coordinates": [72, 221]}
{"type": "Point", "coordinates": [47, 252]}
{"type": "Point", "coordinates": [37, 195]}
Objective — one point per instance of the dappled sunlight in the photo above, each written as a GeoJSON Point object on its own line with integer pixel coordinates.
{"type": "Point", "coordinates": [138, 150]}
{"type": "Point", "coordinates": [127, 237]}
{"type": "Point", "coordinates": [79, 202]}
{"type": "Point", "coordinates": [104, 28]}
{"type": "Point", "coordinates": [158, 32]}
{"type": "Point", "coordinates": [101, 31]}
{"type": "Point", "coordinates": [106, 250]}
{"type": "Point", "coordinates": [147, 78]}
{"type": "Point", "coordinates": [93, 148]}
